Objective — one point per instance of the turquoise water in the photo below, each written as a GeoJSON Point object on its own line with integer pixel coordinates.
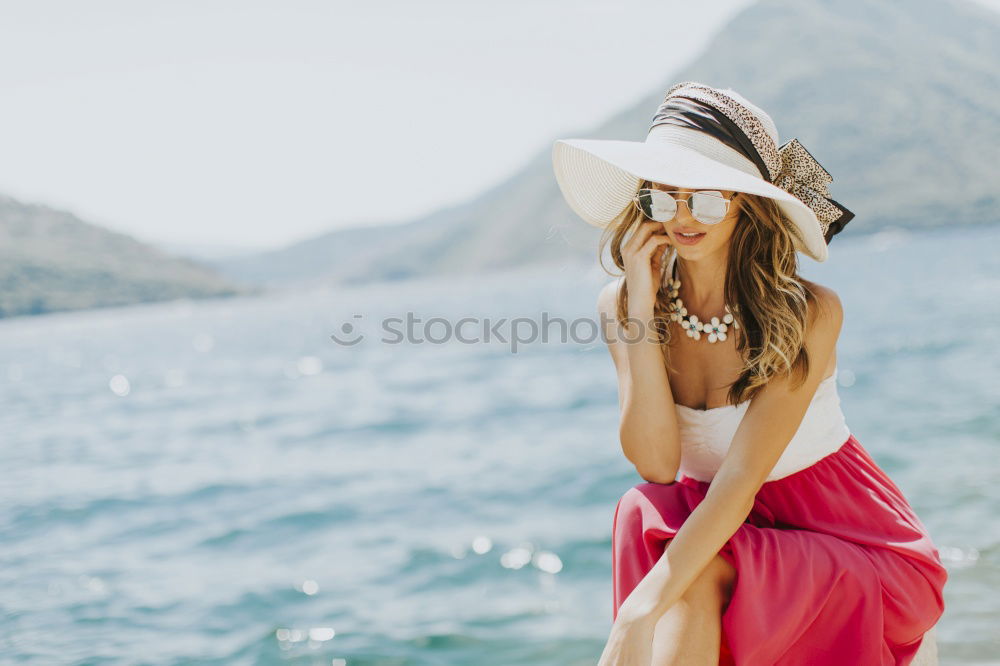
{"type": "Point", "coordinates": [220, 483]}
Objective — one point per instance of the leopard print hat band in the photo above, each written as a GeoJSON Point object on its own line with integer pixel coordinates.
{"type": "Point", "coordinates": [790, 167]}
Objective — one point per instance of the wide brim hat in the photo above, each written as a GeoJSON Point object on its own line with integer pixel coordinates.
{"type": "Point", "coordinates": [703, 138]}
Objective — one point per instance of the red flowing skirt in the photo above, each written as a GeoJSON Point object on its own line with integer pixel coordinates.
{"type": "Point", "coordinates": [833, 565]}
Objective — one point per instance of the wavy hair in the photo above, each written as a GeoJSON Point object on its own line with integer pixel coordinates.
{"type": "Point", "coordinates": [763, 288]}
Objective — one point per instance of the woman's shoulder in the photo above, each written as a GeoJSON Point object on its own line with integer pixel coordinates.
{"type": "Point", "coordinates": [824, 294]}
{"type": "Point", "coordinates": [607, 297]}
{"type": "Point", "coordinates": [825, 307]}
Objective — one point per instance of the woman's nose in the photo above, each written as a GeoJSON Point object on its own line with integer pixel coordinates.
{"type": "Point", "coordinates": [683, 213]}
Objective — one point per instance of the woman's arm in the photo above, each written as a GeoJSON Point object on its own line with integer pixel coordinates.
{"type": "Point", "coordinates": [649, 433]}
{"type": "Point", "coordinates": [770, 422]}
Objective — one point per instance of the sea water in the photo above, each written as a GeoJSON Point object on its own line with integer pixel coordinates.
{"type": "Point", "coordinates": [220, 482]}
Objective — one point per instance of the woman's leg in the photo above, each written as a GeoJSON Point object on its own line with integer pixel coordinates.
{"type": "Point", "coordinates": [690, 632]}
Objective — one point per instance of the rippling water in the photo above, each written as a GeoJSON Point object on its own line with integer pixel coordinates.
{"type": "Point", "coordinates": [219, 482]}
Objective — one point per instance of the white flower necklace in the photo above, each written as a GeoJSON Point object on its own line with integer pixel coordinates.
{"type": "Point", "coordinates": [714, 329]}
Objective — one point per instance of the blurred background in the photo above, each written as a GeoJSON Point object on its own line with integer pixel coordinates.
{"type": "Point", "coordinates": [200, 202]}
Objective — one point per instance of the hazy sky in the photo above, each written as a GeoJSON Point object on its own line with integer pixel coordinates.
{"type": "Point", "coordinates": [261, 123]}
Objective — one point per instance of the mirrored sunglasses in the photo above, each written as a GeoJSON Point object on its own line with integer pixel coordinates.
{"type": "Point", "coordinates": [706, 206]}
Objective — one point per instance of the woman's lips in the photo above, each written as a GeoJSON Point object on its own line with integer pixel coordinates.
{"type": "Point", "coordinates": [687, 240]}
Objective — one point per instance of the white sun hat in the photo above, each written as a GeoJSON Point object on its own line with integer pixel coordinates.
{"type": "Point", "coordinates": [703, 137]}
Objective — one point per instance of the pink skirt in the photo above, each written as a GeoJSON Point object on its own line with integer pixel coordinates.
{"type": "Point", "coordinates": [833, 565]}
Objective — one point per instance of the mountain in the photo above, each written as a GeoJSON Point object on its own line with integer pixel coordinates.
{"type": "Point", "coordinates": [51, 260]}
{"type": "Point", "coordinates": [203, 251]}
{"type": "Point", "coordinates": [898, 100]}
{"type": "Point", "coordinates": [309, 261]}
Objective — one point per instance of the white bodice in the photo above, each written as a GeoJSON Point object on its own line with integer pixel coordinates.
{"type": "Point", "coordinates": [707, 433]}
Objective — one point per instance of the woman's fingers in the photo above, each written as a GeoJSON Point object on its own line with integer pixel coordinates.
{"type": "Point", "coordinates": [641, 235]}
{"type": "Point", "coordinates": [654, 242]}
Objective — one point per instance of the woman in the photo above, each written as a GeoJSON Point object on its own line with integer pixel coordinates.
{"type": "Point", "coordinates": [764, 532]}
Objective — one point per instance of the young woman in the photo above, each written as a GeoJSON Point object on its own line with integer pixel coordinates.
{"type": "Point", "coordinates": [764, 532]}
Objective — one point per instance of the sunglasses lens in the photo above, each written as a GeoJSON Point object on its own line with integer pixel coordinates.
{"type": "Point", "coordinates": [708, 207]}
{"type": "Point", "coordinates": [657, 205]}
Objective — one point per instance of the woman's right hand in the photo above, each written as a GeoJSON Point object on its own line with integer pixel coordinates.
{"type": "Point", "coordinates": [642, 255]}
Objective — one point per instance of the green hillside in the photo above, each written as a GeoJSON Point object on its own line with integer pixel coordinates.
{"type": "Point", "coordinates": [50, 260]}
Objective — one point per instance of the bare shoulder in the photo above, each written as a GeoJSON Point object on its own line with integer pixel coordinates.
{"type": "Point", "coordinates": [825, 319]}
{"type": "Point", "coordinates": [826, 311]}
{"type": "Point", "coordinates": [607, 307]}
{"type": "Point", "coordinates": [607, 299]}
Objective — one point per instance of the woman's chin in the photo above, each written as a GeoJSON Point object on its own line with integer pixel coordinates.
{"type": "Point", "coordinates": [690, 251]}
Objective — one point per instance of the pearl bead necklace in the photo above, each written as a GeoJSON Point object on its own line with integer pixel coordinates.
{"type": "Point", "coordinates": [714, 329]}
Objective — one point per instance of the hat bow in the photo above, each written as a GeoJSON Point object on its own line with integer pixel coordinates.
{"type": "Point", "coordinates": [805, 178]}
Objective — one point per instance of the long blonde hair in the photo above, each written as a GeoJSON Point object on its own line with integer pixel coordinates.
{"type": "Point", "coordinates": [763, 288]}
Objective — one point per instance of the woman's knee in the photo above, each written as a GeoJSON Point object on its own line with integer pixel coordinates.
{"type": "Point", "coordinates": [646, 504]}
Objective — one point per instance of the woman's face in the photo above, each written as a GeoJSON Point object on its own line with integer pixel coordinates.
{"type": "Point", "coordinates": [716, 236]}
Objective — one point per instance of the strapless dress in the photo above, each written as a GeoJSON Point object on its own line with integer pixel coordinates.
{"type": "Point", "coordinates": [834, 566]}
{"type": "Point", "coordinates": [706, 434]}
